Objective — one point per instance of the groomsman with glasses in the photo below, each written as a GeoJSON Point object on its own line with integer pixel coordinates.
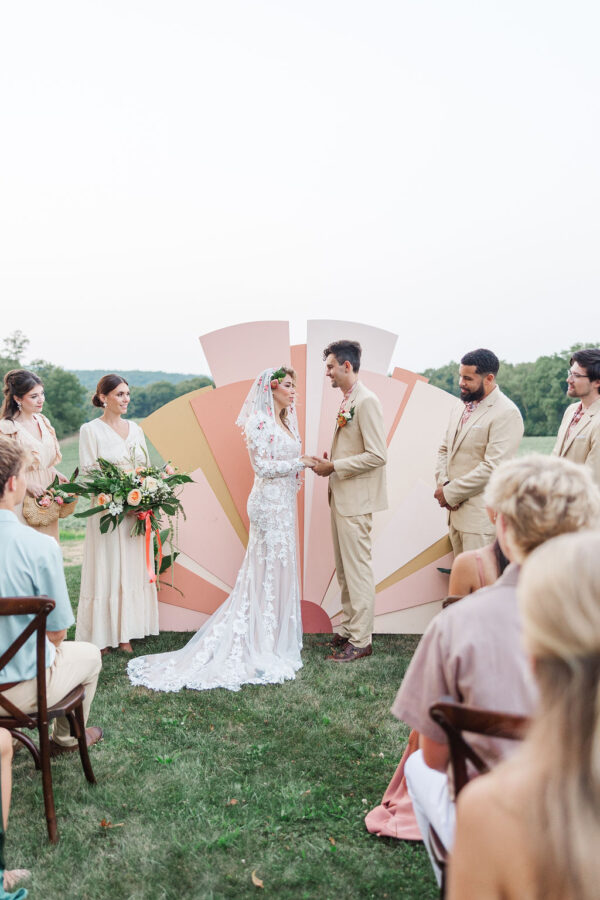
{"type": "Point", "coordinates": [578, 437]}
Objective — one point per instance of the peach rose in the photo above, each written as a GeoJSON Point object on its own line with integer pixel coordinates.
{"type": "Point", "coordinates": [103, 499]}
{"type": "Point", "coordinates": [169, 469]}
{"type": "Point", "coordinates": [59, 500]}
{"type": "Point", "coordinates": [45, 502]}
{"type": "Point", "coordinates": [139, 469]}
{"type": "Point", "coordinates": [134, 497]}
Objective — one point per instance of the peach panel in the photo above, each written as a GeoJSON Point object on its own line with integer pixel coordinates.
{"type": "Point", "coordinates": [415, 524]}
{"type": "Point", "coordinates": [173, 430]}
{"type": "Point", "coordinates": [207, 535]}
{"type": "Point", "coordinates": [196, 593]}
{"type": "Point", "coordinates": [174, 618]}
{"type": "Point", "coordinates": [409, 379]}
{"type": "Point", "coordinates": [298, 357]}
{"type": "Point", "coordinates": [407, 621]}
{"type": "Point", "coordinates": [425, 586]}
{"type": "Point", "coordinates": [413, 450]}
{"type": "Point", "coordinates": [390, 391]}
{"type": "Point", "coordinates": [216, 413]}
{"type": "Point", "coordinates": [378, 346]}
{"type": "Point", "coordinates": [240, 352]}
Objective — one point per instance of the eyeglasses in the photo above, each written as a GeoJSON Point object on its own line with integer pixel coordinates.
{"type": "Point", "coordinates": [575, 375]}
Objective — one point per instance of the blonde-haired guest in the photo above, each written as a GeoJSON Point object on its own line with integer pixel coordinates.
{"type": "Point", "coordinates": [531, 828]}
{"type": "Point", "coordinates": [472, 650]}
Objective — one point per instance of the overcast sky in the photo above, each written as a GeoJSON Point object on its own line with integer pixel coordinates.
{"type": "Point", "coordinates": [169, 168]}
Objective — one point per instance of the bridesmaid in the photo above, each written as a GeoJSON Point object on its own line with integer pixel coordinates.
{"type": "Point", "coordinates": [116, 601]}
{"type": "Point", "coordinates": [21, 418]}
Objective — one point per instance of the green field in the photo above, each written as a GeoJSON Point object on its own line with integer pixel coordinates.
{"type": "Point", "coordinates": [199, 790]}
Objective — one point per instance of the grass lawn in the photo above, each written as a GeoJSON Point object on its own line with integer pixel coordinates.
{"type": "Point", "coordinates": [202, 789]}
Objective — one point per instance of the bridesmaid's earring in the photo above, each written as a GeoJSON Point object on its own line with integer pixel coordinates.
{"type": "Point", "coordinates": [18, 402]}
{"type": "Point", "coordinates": [104, 404]}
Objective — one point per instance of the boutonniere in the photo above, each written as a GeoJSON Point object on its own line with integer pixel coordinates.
{"type": "Point", "coordinates": [344, 417]}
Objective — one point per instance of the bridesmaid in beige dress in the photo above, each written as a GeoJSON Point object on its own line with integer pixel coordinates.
{"type": "Point", "coordinates": [116, 601]}
{"type": "Point", "coordinates": [21, 418]}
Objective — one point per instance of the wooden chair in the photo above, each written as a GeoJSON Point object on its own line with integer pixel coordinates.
{"type": "Point", "coordinates": [14, 719]}
{"type": "Point", "coordinates": [454, 719]}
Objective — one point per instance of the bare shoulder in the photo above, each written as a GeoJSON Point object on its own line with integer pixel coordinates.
{"type": "Point", "coordinates": [464, 573]}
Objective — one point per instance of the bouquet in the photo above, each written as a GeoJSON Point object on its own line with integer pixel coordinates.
{"type": "Point", "coordinates": [145, 492]}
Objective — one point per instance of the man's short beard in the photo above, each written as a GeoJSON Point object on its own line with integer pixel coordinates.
{"type": "Point", "coordinates": [477, 395]}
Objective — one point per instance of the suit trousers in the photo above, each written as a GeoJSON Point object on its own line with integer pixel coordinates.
{"type": "Point", "coordinates": [465, 540]}
{"type": "Point", "coordinates": [352, 551]}
{"type": "Point", "coordinates": [76, 662]}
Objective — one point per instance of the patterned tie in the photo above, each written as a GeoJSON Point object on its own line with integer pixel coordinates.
{"type": "Point", "coordinates": [470, 405]}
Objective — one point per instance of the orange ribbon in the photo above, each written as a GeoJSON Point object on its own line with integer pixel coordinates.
{"type": "Point", "coordinates": [146, 516]}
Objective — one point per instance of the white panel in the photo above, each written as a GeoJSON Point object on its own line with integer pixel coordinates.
{"type": "Point", "coordinates": [407, 621]}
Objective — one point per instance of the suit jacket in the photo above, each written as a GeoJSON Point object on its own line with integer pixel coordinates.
{"type": "Point", "coordinates": [359, 455]}
{"type": "Point", "coordinates": [467, 457]}
{"type": "Point", "coordinates": [583, 444]}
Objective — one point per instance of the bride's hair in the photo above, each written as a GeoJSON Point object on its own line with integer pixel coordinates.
{"type": "Point", "coordinates": [292, 374]}
{"type": "Point", "coordinates": [559, 594]}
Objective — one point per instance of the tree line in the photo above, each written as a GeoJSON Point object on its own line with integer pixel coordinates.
{"type": "Point", "coordinates": [538, 388]}
{"type": "Point", "coordinates": [68, 402]}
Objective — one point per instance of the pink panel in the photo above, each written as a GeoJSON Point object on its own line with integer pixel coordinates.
{"type": "Point", "coordinates": [216, 412]}
{"type": "Point", "coordinates": [196, 593]}
{"type": "Point", "coordinates": [208, 536]}
{"type": "Point", "coordinates": [298, 356]}
{"type": "Point", "coordinates": [240, 352]}
{"type": "Point", "coordinates": [174, 618]}
{"type": "Point", "coordinates": [409, 379]}
{"type": "Point", "coordinates": [423, 586]}
{"type": "Point", "coordinates": [420, 523]}
{"type": "Point", "coordinates": [314, 619]}
{"type": "Point", "coordinates": [391, 393]}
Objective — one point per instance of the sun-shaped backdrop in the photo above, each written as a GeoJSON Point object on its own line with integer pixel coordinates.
{"type": "Point", "coordinates": [198, 433]}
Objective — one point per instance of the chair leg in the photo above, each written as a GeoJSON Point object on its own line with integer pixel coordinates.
{"type": "Point", "coordinates": [78, 726]}
{"type": "Point", "coordinates": [26, 741]}
{"type": "Point", "coordinates": [47, 784]}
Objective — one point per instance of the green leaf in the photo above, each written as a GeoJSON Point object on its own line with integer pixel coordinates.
{"type": "Point", "coordinates": [92, 511]}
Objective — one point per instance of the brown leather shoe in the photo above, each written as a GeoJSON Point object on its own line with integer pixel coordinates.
{"type": "Point", "coordinates": [349, 653]}
{"type": "Point", "coordinates": [92, 736]}
{"type": "Point", "coordinates": [338, 640]}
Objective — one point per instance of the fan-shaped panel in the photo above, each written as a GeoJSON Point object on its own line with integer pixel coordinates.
{"type": "Point", "coordinates": [198, 433]}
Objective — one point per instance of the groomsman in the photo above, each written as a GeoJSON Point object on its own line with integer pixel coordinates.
{"type": "Point", "coordinates": [357, 489]}
{"type": "Point", "coordinates": [579, 433]}
{"type": "Point", "coordinates": [483, 430]}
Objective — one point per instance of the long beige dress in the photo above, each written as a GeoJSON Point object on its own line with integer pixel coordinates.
{"type": "Point", "coordinates": [116, 601]}
{"type": "Point", "coordinates": [44, 455]}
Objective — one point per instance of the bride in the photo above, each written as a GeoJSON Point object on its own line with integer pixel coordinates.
{"type": "Point", "coordinates": [255, 637]}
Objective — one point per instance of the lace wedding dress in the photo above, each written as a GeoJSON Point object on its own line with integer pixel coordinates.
{"type": "Point", "coordinates": [255, 637]}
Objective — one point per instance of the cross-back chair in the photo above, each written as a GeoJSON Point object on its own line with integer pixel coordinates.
{"type": "Point", "coordinates": [455, 719]}
{"type": "Point", "coordinates": [15, 719]}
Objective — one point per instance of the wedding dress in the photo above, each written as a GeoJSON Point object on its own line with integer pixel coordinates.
{"type": "Point", "coordinates": [255, 637]}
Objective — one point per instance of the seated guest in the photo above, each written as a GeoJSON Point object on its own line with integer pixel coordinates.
{"type": "Point", "coordinates": [472, 650]}
{"type": "Point", "coordinates": [31, 565]}
{"type": "Point", "coordinates": [474, 569]}
{"type": "Point", "coordinates": [531, 828]}
{"type": "Point", "coordinates": [12, 877]}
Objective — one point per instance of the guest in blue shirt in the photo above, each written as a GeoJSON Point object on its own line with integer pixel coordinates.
{"type": "Point", "coordinates": [31, 565]}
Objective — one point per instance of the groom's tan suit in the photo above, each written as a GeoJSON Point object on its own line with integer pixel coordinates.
{"type": "Point", "coordinates": [582, 445]}
{"type": "Point", "coordinates": [357, 489]}
{"type": "Point", "coordinates": [466, 459]}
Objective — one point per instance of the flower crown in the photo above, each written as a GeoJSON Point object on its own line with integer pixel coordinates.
{"type": "Point", "coordinates": [278, 377]}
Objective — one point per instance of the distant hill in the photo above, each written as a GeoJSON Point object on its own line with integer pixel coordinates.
{"type": "Point", "coordinates": [136, 377]}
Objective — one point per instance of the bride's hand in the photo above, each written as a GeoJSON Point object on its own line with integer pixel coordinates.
{"type": "Point", "coordinates": [309, 461]}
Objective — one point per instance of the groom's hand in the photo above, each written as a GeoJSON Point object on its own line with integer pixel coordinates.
{"type": "Point", "coordinates": [323, 466]}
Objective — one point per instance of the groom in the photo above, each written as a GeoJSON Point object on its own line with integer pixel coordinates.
{"type": "Point", "coordinates": [357, 489]}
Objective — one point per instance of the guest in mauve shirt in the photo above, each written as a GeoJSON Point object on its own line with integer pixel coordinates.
{"type": "Point", "coordinates": [472, 651]}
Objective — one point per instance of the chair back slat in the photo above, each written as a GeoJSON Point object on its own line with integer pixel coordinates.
{"type": "Point", "coordinates": [456, 718]}
{"type": "Point", "coordinates": [39, 608]}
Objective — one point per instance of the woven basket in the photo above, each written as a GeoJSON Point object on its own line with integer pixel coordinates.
{"type": "Point", "coordinates": [67, 508]}
{"type": "Point", "coordinates": [36, 515]}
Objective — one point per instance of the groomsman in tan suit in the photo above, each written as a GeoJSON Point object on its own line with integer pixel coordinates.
{"type": "Point", "coordinates": [579, 433]}
{"type": "Point", "coordinates": [484, 429]}
{"type": "Point", "coordinates": [357, 489]}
